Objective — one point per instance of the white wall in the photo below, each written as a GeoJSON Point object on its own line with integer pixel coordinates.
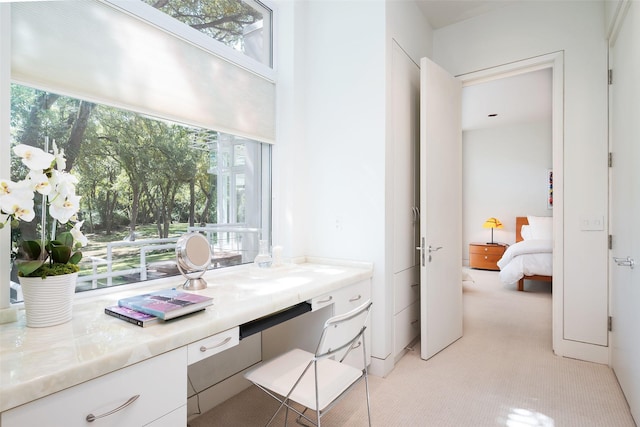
{"type": "Point", "coordinates": [330, 173]}
{"type": "Point", "coordinates": [289, 178]}
{"type": "Point", "coordinates": [576, 28]}
{"type": "Point", "coordinates": [327, 197]}
{"type": "Point", "coordinates": [504, 173]}
{"type": "Point", "coordinates": [329, 157]}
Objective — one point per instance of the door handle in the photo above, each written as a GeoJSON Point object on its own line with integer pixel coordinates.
{"type": "Point", "coordinates": [419, 248]}
{"type": "Point", "coordinates": [625, 262]}
{"type": "Point", "coordinates": [429, 249]}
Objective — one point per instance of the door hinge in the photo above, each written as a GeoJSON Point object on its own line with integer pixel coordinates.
{"type": "Point", "coordinates": [610, 243]}
{"type": "Point", "coordinates": [610, 323]}
{"type": "Point", "coordinates": [610, 160]}
{"type": "Point", "coordinates": [610, 76]}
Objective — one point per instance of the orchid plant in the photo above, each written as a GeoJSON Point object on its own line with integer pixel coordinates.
{"type": "Point", "coordinates": [59, 254]}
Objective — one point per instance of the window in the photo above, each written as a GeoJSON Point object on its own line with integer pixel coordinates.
{"type": "Point", "coordinates": [242, 25]}
{"type": "Point", "coordinates": [144, 182]}
{"type": "Point", "coordinates": [164, 135]}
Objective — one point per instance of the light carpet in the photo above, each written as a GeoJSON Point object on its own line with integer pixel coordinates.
{"type": "Point", "coordinates": [502, 372]}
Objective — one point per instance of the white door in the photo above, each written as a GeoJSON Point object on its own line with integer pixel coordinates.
{"type": "Point", "coordinates": [440, 208]}
{"type": "Point", "coordinates": [625, 209]}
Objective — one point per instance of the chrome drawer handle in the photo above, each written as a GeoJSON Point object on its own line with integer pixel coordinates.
{"type": "Point", "coordinates": [226, 340]}
{"type": "Point", "coordinates": [91, 418]}
{"type": "Point", "coordinates": [415, 285]}
{"type": "Point", "coordinates": [355, 298]}
{"type": "Point", "coordinates": [414, 322]}
{"type": "Point", "coordinates": [325, 300]}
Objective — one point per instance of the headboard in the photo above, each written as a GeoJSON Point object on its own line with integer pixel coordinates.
{"type": "Point", "coordinates": [520, 221]}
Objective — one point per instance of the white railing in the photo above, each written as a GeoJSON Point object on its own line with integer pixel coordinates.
{"type": "Point", "coordinates": [234, 238]}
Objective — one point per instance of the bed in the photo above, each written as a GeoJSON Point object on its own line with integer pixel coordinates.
{"type": "Point", "coordinates": [531, 257]}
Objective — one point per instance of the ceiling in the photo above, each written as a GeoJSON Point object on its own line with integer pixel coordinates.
{"type": "Point", "coordinates": [524, 98]}
{"type": "Point", "coordinates": [441, 13]}
{"type": "Point", "coordinates": [517, 99]}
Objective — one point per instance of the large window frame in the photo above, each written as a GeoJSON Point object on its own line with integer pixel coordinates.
{"type": "Point", "coordinates": [142, 12]}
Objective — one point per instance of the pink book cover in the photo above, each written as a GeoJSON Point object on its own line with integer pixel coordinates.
{"type": "Point", "coordinates": [167, 304]}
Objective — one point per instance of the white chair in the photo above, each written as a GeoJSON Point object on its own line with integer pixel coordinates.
{"type": "Point", "coordinates": [317, 381]}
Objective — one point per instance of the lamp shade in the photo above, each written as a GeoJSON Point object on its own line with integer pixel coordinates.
{"type": "Point", "coordinates": [492, 223]}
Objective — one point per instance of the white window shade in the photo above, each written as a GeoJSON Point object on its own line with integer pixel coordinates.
{"type": "Point", "coordinates": [94, 51]}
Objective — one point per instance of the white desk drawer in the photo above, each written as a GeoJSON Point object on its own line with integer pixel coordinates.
{"type": "Point", "coordinates": [158, 382]}
{"type": "Point", "coordinates": [214, 344]}
{"type": "Point", "coordinates": [324, 300]}
{"type": "Point", "coordinates": [345, 299]}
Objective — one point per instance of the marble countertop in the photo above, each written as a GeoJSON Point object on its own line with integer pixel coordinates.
{"type": "Point", "coordinates": [36, 362]}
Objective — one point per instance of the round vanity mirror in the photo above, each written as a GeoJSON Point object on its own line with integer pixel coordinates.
{"type": "Point", "coordinates": [193, 254]}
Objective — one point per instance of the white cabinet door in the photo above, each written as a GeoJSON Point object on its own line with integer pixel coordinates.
{"type": "Point", "coordinates": [158, 382]}
{"type": "Point", "coordinates": [407, 327]}
{"type": "Point", "coordinates": [406, 129]}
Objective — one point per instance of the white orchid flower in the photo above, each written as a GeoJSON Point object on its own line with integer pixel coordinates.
{"type": "Point", "coordinates": [34, 158]}
{"type": "Point", "coordinates": [78, 237]}
{"type": "Point", "coordinates": [61, 162]}
{"type": "Point", "coordinates": [63, 209]}
{"type": "Point", "coordinates": [8, 187]}
{"type": "Point", "coordinates": [65, 184]}
{"type": "Point", "coordinates": [39, 182]}
{"type": "Point", "coordinates": [20, 207]}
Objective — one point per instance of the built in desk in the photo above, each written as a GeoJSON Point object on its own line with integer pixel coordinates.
{"type": "Point", "coordinates": [96, 360]}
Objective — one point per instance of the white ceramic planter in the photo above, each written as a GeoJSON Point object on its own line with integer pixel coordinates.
{"type": "Point", "coordinates": [48, 302]}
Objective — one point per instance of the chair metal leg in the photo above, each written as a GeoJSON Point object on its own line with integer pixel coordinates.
{"type": "Point", "coordinates": [286, 416]}
{"type": "Point", "coordinates": [365, 373]}
{"type": "Point", "coordinates": [366, 387]}
{"type": "Point", "coordinates": [302, 416]}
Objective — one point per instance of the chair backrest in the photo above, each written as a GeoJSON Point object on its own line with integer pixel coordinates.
{"type": "Point", "coordinates": [341, 332]}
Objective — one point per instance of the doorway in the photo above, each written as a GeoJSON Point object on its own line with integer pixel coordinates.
{"type": "Point", "coordinates": [554, 62]}
{"type": "Point", "coordinates": [506, 128]}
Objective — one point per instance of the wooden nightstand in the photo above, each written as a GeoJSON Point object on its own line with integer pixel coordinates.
{"type": "Point", "coordinates": [485, 255]}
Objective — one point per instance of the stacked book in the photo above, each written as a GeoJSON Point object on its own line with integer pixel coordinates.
{"type": "Point", "coordinates": [146, 309]}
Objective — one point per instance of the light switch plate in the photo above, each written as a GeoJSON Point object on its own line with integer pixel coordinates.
{"type": "Point", "coordinates": [592, 223]}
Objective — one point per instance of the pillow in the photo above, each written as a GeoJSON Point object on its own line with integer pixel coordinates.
{"type": "Point", "coordinates": [541, 227]}
{"type": "Point", "coordinates": [525, 232]}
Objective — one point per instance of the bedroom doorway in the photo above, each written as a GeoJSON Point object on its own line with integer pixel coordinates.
{"type": "Point", "coordinates": [553, 64]}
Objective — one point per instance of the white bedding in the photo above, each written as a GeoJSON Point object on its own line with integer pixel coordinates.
{"type": "Point", "coordinates": [526, 258]}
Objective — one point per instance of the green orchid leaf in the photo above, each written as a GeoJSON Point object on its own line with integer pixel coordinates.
{"type": "Point", "coordinates": [75, 258]}
{"type": "Point", "coordinates": [65, 238]}
{"type": "Point", "coordinates": [25, 268]}
{"type": "Point", "coordinates": [60, 253]}
{"type": "Point", "coordinates": [31, 249]}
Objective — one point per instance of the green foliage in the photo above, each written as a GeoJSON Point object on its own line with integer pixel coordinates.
{"type": "Point", "coordinates": [222, 20]}
{"type": "Point", "coordinates": [46, 270]}
{"type": "Point", "coordinates": [60, 253]}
